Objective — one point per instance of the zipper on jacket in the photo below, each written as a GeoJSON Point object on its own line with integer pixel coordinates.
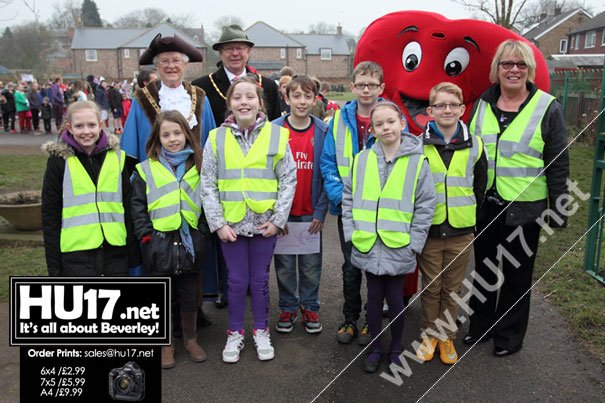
{"type": "Point", "coordinates": [177, 269]}
{"type": "Point", "coordinates": [96, 183]}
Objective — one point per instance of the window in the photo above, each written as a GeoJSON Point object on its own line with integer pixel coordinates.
{"type": "Point", "coordinates": [325, 54]}
{"type": "Point", "coordinates": [590, 39]}
{"type": "Point", "coordinates": [282, 53]}
{"type": "Point", "coordinates": [563, 46]}
{"type": "Point", "coordinates": [299, 50]}
{"type": "Point", "coordinates": [577, 41]}
{"type": "Point", "coordinates": [141, 52]}
{"type": "Point", "coordinates": [603, 40]}
{"type": "Point", "coordinates": [126, 53]}
{"type": "Point", "coordinates": [91, 55]}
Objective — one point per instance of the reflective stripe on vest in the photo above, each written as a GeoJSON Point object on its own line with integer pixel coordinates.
{"type": "Point", "coordinates": [515, 159]}
{"type": "Point", "coordinates": [248, 180]}
{"type": "Point", "coordinates": [91, 214]}
{"type": "Point", "coordinates": [343, 140]}
{"type": "Point", "coordinates": [169, 200]}
{"type": "Point", "coordinates": [385, 212]}
{"type": "Point", "coordinates": [454, 186]}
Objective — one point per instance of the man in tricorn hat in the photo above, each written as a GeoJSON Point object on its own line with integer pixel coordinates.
{"type": "Point", "coordinates": [170, 55]}
{"type": "Point", "coordinates": [234, 49]}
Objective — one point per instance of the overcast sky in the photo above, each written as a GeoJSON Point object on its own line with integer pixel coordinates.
{"type": "Point", "coordinates": [353, 15]}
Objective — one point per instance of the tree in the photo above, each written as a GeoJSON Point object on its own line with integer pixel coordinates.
{"type": "Point", "coordinates": [535, 11]}
{"type": "Point", "coordinates": [218, 25]}
{"type": "Point", "coordinates": [65, 16]}
{"type": "Point", "coordinates": [32, 41]}
{"type": "Point", "coordinates": [500, 12]}
{"type": "Point", "coordinates": [149, 17]}
{"type": "Point", "coordinates": [322, 28]}
{"type": "Point", "coordinates": [90, 14]}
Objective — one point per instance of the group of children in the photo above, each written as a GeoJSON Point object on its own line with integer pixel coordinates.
{"type": "Point", "coordinates": [401, 200]}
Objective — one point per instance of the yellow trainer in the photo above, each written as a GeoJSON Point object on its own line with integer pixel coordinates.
{"type": "Point", "coordinates": [447, 352]}
{"type": "Point", "coordinates": [426, 351]}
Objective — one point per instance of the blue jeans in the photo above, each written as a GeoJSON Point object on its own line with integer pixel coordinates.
{"type": "Point", "coordinates": [309, 273]}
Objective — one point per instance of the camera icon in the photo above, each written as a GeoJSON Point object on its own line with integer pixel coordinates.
{"type": "Point", "coordinates": [127, 383]}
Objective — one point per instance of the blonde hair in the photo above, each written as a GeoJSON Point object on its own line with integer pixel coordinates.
{"type": "Point", "coordinates": [80, 106]}
{"type": "Point", "coordinates": [518, 48]}
{"type": "Point", "coordinates": [284, 80]}
{"type": "Point", "coordinates": [447, 87]}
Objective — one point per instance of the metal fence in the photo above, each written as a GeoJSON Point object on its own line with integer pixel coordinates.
{"type": "Point", "coordinates": [579, 93]}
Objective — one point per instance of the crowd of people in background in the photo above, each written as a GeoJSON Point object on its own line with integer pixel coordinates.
{"type": "Point", "coordinates": [28, 107]}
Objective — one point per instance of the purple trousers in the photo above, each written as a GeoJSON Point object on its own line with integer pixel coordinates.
{"type": "Point", "coordinates": [248, 261]}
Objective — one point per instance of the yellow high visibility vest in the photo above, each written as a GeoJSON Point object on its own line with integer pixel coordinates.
{"type": "Point", "coordinates": [343, 142]}
{"type": "Point", "coordinates": [515, 159]}
{"type": "Point", "coordinates": [91, 214]}
{"type": "Point", "coordinates": [385, 212]}
{"type": "Point", "coordinates": [454, 185]}
{"type": "Point", "coordinates": [168, 201]}
{"type": "Point", "coordinates": [248, 181]}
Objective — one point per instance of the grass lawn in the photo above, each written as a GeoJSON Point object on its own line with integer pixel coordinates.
{"type": "Point", "coordinates": [578, 295]}
{"type": "Point", "coordinates": [340, 96]}
{"type": "Point", "coordinates": [21, 172]}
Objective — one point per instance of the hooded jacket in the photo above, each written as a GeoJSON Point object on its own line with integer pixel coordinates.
{"type": "Point", "coordinates": [460, 141]}
{"type": "Point", "coordinates": [106, 260]}
{"type": "Point", "coordinates": [556, 161]}
{"type": "Point", "coordinates": [382, 260]}
{"type": "Point", "coordinates": [329, 167]}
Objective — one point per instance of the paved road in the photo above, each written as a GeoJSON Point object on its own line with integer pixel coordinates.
{"type": "Point", "coordinates": [551, 367]}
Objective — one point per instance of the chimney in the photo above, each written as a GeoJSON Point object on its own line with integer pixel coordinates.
{"type": "Point", "coordinates": [339, 29]}
{"type": "Point", "coordinates": [557, 10]}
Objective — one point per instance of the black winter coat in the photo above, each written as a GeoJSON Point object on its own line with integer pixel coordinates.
{"type": "Point", "coordinates": [218, 103]}
{"type": "Point", "coordinates": [161, 249]}
{"type": "Point", "coordinates": [107, 260]}
{"type": "Point", "coordinates": [115, 99]}
{"type": "Point", "coordinates": [555, 157]}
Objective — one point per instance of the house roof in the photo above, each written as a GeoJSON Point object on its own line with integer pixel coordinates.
{"type": "Point", "coordinates": [114, 38]}
{"type": "Point", "coordinates": [551, 22]}
{"type": "Point", "coordinates": [597, 22]}
{"type": "Point", "coordinates": [102, 38]}
{"type": "Point", "coordinates": [264, 35]}
{"type": "Point", "coordinates": [143, 40]}
{"type": "Point", "coordinates": [582, 60]}
{"type": "Point", "coordinates": [315, 42]}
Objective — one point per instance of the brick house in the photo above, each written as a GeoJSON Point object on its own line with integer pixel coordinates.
{"type": "Point", "coordinates": [588, 38]}
{"type": "Point", "coordinates": [114, 53]}
{"type": "Point", "coordinates": [550, 34]}
{"type": "Point", "coordinates": [325, 56]}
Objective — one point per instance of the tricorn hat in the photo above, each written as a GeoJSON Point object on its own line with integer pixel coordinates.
{"type": "Point", "coordinates": [169, 44]}
{"type": "Point", "coordinates": [232, 33]}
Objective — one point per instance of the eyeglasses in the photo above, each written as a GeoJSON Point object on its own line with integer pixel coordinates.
{"type": "Point", "coordinates": [168, 62]}
{"type": "Point", "coordinates": [442, 107]}
{"type": "Point", "coordinates": [361, 86]}
{"type": "Point", "coordinates": [507, 65]}
{"type": "Point", "coordinates": [233, 49]}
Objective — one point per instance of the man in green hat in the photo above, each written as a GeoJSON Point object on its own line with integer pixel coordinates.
{"type": "Point", "coordinates": [234, 49]}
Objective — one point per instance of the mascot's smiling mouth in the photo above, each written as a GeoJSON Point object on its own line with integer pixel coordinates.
{"type": "Point", "coordinates": [417, 110]}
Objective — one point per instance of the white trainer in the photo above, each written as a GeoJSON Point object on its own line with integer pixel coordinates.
{"type": "Point", "coordinates": [262, 341]}
{"type": "Point", "coordinates": [235, 344]}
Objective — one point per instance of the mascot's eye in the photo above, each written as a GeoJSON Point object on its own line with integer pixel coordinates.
{"type": "Point", "coordinates": [412, 55]}
{"type": "Point", "coordinates": [456, 61]}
